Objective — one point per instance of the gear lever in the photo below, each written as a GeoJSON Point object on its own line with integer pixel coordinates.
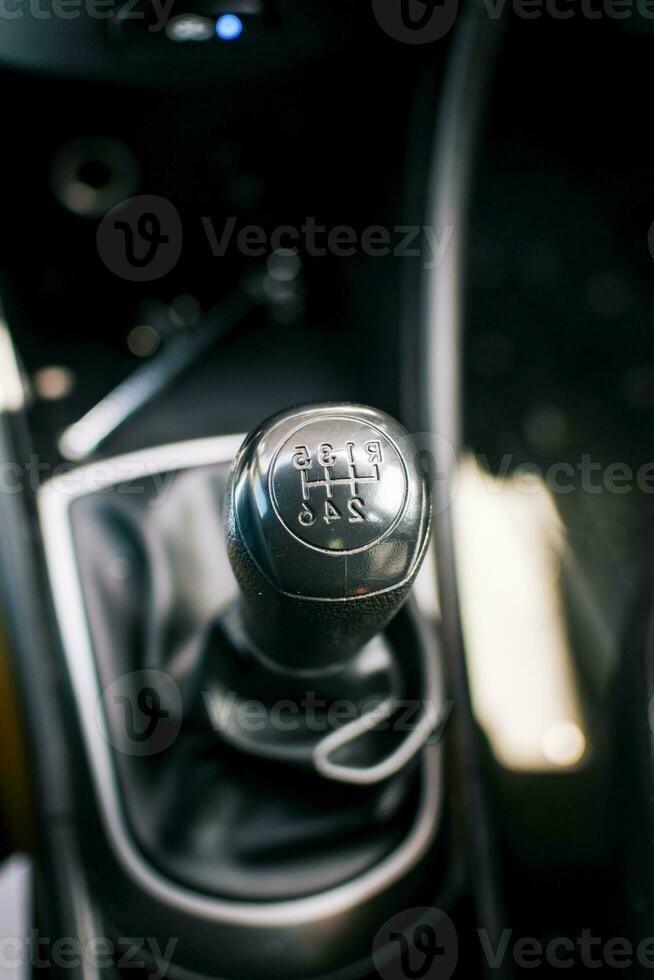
{"type": "Point", "coordinates": [327, 523]}
{"type": "Point", "coordinates": [309, 761]}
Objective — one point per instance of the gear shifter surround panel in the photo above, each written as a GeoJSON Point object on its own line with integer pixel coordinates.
{"type": "Point", "coordinates": [218, 934]}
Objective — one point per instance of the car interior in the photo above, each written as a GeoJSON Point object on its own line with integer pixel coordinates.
{"type": "Point", "coordinates": [326, 476]}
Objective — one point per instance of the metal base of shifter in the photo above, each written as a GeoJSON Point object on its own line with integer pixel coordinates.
{"type": "Point", "coordinates": [87, 522]}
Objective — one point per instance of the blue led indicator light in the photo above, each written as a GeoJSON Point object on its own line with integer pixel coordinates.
{"type": "Point", "coordinates": [229, 27]}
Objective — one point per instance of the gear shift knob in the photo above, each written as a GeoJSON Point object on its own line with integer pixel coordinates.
{"type": "Point", "coordinates": [327, 522]}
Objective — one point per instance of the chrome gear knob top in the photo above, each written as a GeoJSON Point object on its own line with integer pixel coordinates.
{"type": "Point", "coordinates": [327, 522]}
